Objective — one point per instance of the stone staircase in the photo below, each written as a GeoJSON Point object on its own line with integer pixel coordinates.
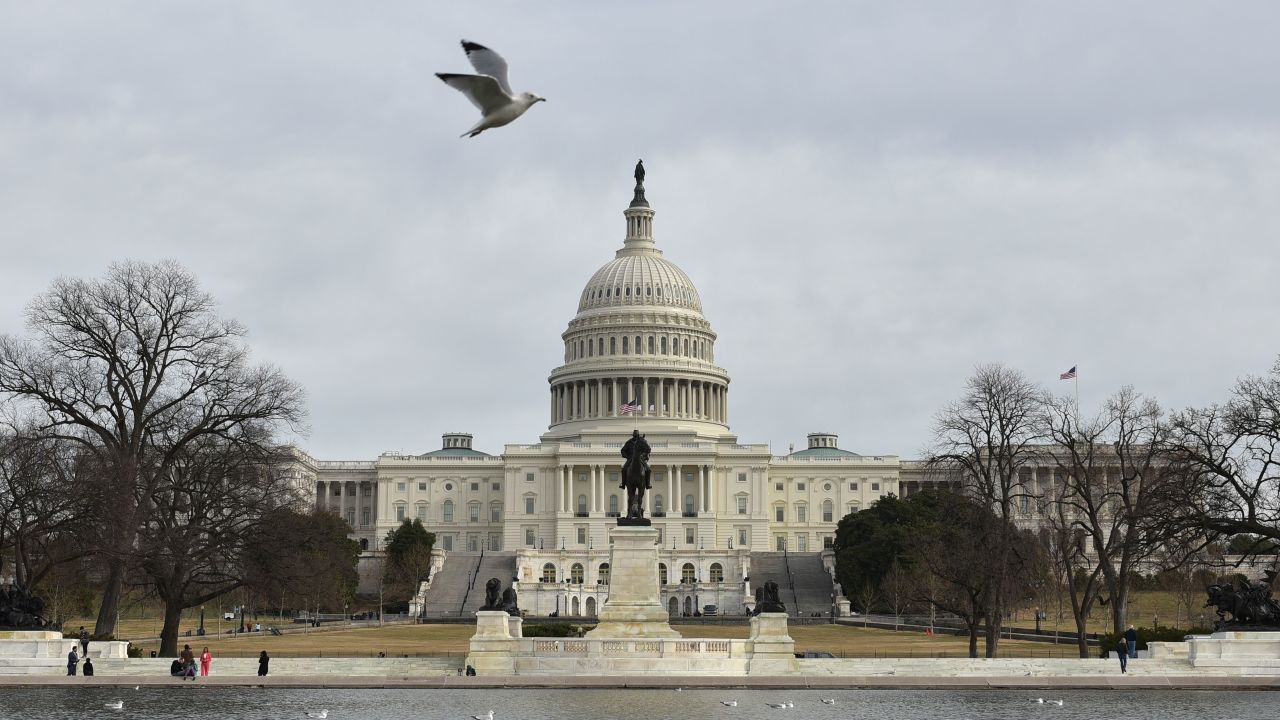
{"type": "Point", "coordinates": [501, 565]}
{"type": "Point", "coordinates": [803, 584]}
{"type": "Point", "coordinates": [813, 585]}
{"type": "Point", "coordinates": [457, 589]}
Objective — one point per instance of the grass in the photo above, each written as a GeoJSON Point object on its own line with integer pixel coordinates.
{"type": "Point", "coordinates": [397, 640]}
{"type": "Point", "coordinates": [1146, 608]}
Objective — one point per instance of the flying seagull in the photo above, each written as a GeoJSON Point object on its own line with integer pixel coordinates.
{"type": "Point", "coordinates": [488, 89]}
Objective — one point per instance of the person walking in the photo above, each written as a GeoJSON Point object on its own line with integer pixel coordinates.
{"type": "Point", "coordinates": [1122, 651]}
{"type": "Point", "coordinates": [84, 641]}
{"type": "Point", "coordinates": [1131, 638]}
{"type": "Point", "coordinates": [263, 661]}
{"type": "Point", "coordinates": [206, 659]}
{"type": "Point", "coordinates": [88, 666]}
{"type": "Point", "coordinates": [72, 661]}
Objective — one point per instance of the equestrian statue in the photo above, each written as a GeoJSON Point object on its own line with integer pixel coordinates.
{"type": "Point", "coordinates": [635, 478]}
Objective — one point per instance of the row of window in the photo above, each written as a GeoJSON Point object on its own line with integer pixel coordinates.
{"type": "Point", "coordinates": [646, 290]}
{"type": "Point", "coordinates": [688, 574]}
{"type": "Point", "coordinates": [800, 486]}
{"type": "Point", "coordinates": [633, 345]}
{"type": "Point", "coordinates": [495, 486]}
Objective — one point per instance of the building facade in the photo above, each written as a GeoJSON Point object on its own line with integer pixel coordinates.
{"type": "Point", "coordinates": [640, 337]}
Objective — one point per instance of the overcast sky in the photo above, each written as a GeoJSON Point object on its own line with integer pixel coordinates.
{"type": "Point", "coordinates": [871, 198]}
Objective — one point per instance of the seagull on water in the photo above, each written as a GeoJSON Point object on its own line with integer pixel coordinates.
{"type": "Point", "coordinates": [1056, 702]}
{"type": "Point", "coordinates": [318, 714]}
{"type": "Point", "coordinates": [729, 703]}
{"type": "Point", "coordinates": [486, 716]}
{"type": "Point", "coordinates": [780, 706]}
{"type": "Point", "coordinates": [114, 705]}
{"type": "Point", "coordinates": [828, 701]}
{"type": "Point", "coordinates": [1039, 701]}
{"type": "Point", "coordinates": [488, 89]}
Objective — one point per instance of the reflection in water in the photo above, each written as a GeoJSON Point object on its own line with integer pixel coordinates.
{"type": "Point", "coordinates": [187, 701]}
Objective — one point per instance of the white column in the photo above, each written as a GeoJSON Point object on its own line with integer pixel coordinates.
{"type": "Point", "coordinates": [644, 396]}
{"type": "Point", "coordinates": [673, 504]}
{"type": "Point", "coordinates": [591, 491]}
{"type": "Point", "coordinates": [702, 488]}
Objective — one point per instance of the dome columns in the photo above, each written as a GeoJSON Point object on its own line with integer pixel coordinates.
{"type": "Point", "coordinates": [659, 397]}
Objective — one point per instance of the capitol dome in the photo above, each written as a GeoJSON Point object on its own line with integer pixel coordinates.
{"type": "Point", "coordinates": [639, 335]}
{"type": "Point", "coordinates": [640, 279]}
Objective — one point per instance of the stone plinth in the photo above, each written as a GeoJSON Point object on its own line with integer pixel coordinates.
{"type": "Point", "coordinates": [34, 644]}
{"type": "Point", "coordinates": [492, 647]}
{"type": "Point", "coordinates": [634, 608]}
{"type": "Point", "coordinates": [1257, 650]}
{"type": "Point", "coordinates": [772, 649]}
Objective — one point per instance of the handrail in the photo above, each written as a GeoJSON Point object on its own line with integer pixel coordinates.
{"type": "Point", "coordinates": [472, 583]}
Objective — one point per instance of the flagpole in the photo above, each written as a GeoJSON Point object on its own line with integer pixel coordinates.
{"type": "Point", "coordinates": [1076, 380]}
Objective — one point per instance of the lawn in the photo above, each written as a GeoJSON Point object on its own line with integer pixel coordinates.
{"type": "Point", "coordinates": [397, 640]}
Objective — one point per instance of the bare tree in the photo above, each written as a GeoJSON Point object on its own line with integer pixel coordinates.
{"type": "Point", "coordinates": [204, 514]}
{"type": "Point", "coordinates": [1112, 469]}
{"type": "Point", "coordinates": [42, 505]}
{"type": "Point", "coordinates": [987, 437]}
{"type": "Point", "coordinates": [135, 367]}
{"type": "Point", "coordinates": [1230, 456]}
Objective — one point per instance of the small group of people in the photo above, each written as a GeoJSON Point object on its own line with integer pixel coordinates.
{"type": "Point", "coordinates": [1127, 647]}
{"type": "Point", "coordinates": [184, 666]}
{"type": "Point", "coordinates": [73, 659]}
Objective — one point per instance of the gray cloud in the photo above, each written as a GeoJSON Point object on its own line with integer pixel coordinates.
{"type": "Point", "coordinates": [871, 197]}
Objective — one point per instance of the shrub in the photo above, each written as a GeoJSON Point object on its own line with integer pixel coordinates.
{"type": "Point", "coordinates": [133, 651]}
{"type": "Point", "coordinates": [1107, 643]}
{"type": "Point", "coordinates": [549, 630]}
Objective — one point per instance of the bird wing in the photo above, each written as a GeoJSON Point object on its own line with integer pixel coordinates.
{"type": "Point", "coordinates": [482, 90]}
{"type": "Point", "coordinates": [487, 62]}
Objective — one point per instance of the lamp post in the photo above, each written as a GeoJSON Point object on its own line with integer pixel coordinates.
{"type": "Point", "coordinates": [202, 620]}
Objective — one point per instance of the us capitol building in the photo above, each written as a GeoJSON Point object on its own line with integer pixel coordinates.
{"type": "Point", "coordinates": [542, 511]}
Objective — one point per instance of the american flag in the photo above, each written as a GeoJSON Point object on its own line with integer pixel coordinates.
{"type": "Point", "coordinates": [627, 408]}
{"type": "Point", "coordinates": [1068, 374]}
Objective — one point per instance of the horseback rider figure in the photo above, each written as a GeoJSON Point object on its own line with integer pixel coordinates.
{"type": "Point", "coordinates": [636, 449]}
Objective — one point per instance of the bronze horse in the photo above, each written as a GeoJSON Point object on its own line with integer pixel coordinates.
{"type": "Point", "coordinates": [635, 476]}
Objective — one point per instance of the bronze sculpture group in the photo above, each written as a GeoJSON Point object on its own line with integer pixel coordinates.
{"type": "Point", "coordinates": [1249, 605]}
{"type": "Point", "coordinates": [20, 610]}
{"type": "Point", "coordinates": [495, 598]}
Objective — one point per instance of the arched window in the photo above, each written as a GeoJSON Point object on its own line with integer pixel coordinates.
{"type": "Point", "coordinates": [651, 345]}
{"type": "Point", "coordinates": [591, 607]}
{"type": "Point", "coordinates": [686, 347]}
{"type": "Point", "coordinates": [716, 573]}
{"type": "Point", "coordinates": [601, 344]}
{"type": "Point", "coordinates": [613, 504]}
{"type": "Point", "coordinates": [626, 345]}
{"type": "Point", "coordinates": [613, 346]}
{"type": "Point", "coordinates": [673, 607]}
{"type": "Point", "coordinates": [548, 573]}
{"type": "Point", "coordinates": [582, 352]}
{"type": "Point", "coordinates": [582, 503]}
{"type": "Point", "coordinates": [420, 511]}
{"type": "Point", "coordinates": [687, 574]}
{"type": "Point", "coordinates": [591, 349]}
{"type": "Point", "coordinates": [664, 346]}
{"type": "Point", "coordinates": [688, 503]}
{"type": "Point", "coordinates": [364, 543]}
{"type": "Point", "coordinates": [662, 573]}
{"type": "Point", "coordinates": [575, 574]}
{"type": "Point", "coordinates": [637, 345]}
{"type": "Point", "coordinates": [603, 577]}
{"type": "Point", "coordinates": [827, 509]}
{"type": "Point", "coordinates": [577, 607]}
{"type": "Point", "coordinates": [448, 511]}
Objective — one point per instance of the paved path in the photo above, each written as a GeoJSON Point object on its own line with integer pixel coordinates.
{"type": "Point", "coordinates": [795, 682]}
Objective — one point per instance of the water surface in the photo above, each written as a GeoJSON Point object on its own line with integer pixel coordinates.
{"type": "Point", "coordinates": [190, 702]}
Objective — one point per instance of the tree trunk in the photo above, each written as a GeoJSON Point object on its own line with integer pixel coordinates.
{"type": "Point", "coordinates": [992, 637]}
{"type": "Point", "coordinates": [1120, 606]}
{"type": "Point", "coordinates": [169, 632]}
{"type": "Point", "coordinates": [972, 626]}
{"type": "Point", "coordinates": [105, 627]}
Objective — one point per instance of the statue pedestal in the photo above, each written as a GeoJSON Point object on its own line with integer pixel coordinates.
{"type": "Point", "coordinates": [772, 649]}
{"type": "Point", "coordinates": [492, 647]}
{"type": "Point", "coordinates": [634, 608]}
{"type": "Point", "coordinates": [1257, 650]}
